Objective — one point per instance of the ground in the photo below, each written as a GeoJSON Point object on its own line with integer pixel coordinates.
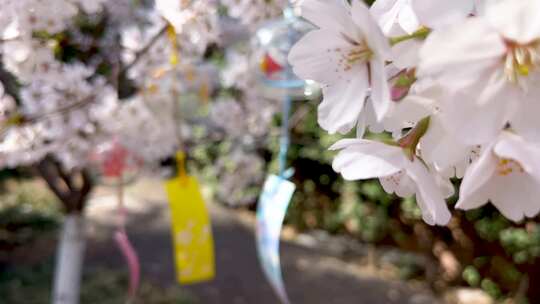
{"type": "Point", "coordinates": [313, 273]}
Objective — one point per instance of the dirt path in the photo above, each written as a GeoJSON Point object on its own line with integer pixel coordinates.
{"type": "Point", "coordinates": [311, 276]}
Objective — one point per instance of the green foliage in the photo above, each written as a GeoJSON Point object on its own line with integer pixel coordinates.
{"type": "Point", "coordinates": [410, 209]}
{"type": "Point", "coordinates": [109, 287]}
{"type": "Point", "coordinates": [523, 244]}
{"type": "Point", "coordinates": [471, 275]}
{"type": "Point", "coordinates": [409, 267]}
{"type": "Point", "coordinates": [31, 285]}
{"type": "Point", "coordinates": [491, 288]}
{"type": "Point", "coordinates": [490, 227]}
{"type": "Point", "coordinates": [26, 211]}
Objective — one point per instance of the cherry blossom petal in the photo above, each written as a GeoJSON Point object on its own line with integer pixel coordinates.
{"type": "Point", "coordinates": [399, 183]}
{"type": "Point", "coordinates": [440, 147]}
{"type": "Point", "coordinates": [514, 192]}
{"type": "Point", "coordinates": [374, 125]}
{"type": "Point", "coordinates": [315, 57]}
{"type": "Point", "coordinates": [342, 104]}
{"type": "Point", "coordinates": [482, 52]}
{"type": "Point", "coordinates": [405, 54]}
{"type": "Point", "coordinates": [436, 14]}
{"type": "Point", "coordinates": [364, 159]}
{"type": "Point", "coordinates": [380, 92]}
{"type": "Point", "coordinates": [516, 148]}
{"type": "Point", "coordinates": [408, 20]}
{"type": "Point", "coordinates": [372, 33]}
{"type": "Point", "coordinates": [328, 14]}
{"type": "Point", "coordinates": [428, 195]}
{"type": "Point", "coordinates": [516, 198]}
{"type": "Point", "coordinates": [446, 186]}
{"type": "Point", "coordinates": [362, 123]}
{"type": "Point", "coordinates": [407, 112]}
{"type": "Point", "coordinates": [516, 20]}
{"type": "Point", "coordinates": [386, 12]}
{"type": "Point", "coordinates": [461, 115]}
{"type": "Point", "coordinates": [476, 176]}
{"type": "Point", "coordinates": [525, 120]}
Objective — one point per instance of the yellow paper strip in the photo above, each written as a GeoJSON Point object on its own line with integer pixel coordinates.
{"type": "Point", "coordinates": [191, 229]}
{"type": "Point", "coordinates": [171, 35]}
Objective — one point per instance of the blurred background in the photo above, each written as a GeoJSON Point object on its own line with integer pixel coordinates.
{"type": "Point", "coordinates": [343, 242]}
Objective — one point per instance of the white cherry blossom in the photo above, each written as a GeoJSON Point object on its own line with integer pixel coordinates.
{"type": "Point", "coordinates": [507, 174]}
{"type": "Point", "coordinates": [438, 14]}
{"type": "Point", "coordinates": [253, 12]}
{"type": "Point", "coordinates": [497, 72]}
{"type": "Point", "coordinates": [392, 13]}
{"type": "Point", "coordinates": [361, 159]}
{"type": "Point", "coordinates": [407, 22]}
{"type": "Point", "coordinates": [347, 55]}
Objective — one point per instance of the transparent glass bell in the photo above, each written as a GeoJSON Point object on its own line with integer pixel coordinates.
{"type": "Point", "coordinates": [271, 45]}
{"type": "Point", "coordinates": [113, 164]}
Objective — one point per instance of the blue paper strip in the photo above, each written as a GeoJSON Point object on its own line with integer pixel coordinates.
{"type": "Point", "coordinates": [273, 203]}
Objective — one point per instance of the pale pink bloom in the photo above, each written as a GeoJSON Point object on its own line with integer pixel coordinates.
{"type": "Point", "coordinates": [490, 66]}
{"type": "Point", "coordinates": [347, 55]}
{"type": "Point", "coordinates": [361, 159]}
{"type": "Point", "coordinates": [508, 175]}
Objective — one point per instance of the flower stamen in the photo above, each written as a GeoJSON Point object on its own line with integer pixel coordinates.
{"type": "Point", "coordinates": [507, 166]}
{"type": "Point", "coordinates": [359, 54]}
{"type": "Point", "coordinates": [521, 60]}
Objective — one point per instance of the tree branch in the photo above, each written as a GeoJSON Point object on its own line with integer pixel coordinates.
{"type": "Point", "coordinates": [86, 188]}
{"type": "Point", "coordinates": [9, 82]}
{"type": "Point", "coordinates": [145, 49]}
{"type": "Point", "coordinates": [66, 177]}
{"type": "Point", "coordinates": [73, 197]}
{"type": "Point", "coordinates": [47, 172]}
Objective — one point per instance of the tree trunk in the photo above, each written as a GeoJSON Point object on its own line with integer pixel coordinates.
{"type": "Point", "coordinates": [72, 189]}
{"type": "Point", "coordinates": [69, 260]}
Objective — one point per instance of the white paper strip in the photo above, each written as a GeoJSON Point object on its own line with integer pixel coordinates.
{"type": "Point", "coordinates": [273, 203]}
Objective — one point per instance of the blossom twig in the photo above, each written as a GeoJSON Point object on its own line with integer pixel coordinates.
{"type": "Point", "coordinates": [145, 49]}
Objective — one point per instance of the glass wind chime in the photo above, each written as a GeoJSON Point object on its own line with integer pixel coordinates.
{"type": "Point", "coordinates": [272, 43]}
{"type": "Point", "coordinates": [116, 167]}
{"type": "Point", "coordinates": [193, 244]}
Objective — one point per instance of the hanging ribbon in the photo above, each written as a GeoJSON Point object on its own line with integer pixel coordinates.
{"type": "Point", "coordinates": [114, 165]}
{"type": "Point", "coordinates": [191, 229]}
{"type": "Point", "coordinates": [129, 253]}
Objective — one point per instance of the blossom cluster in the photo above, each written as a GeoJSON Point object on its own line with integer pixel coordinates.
{"type": "Point", "coordinates": [240, 168]}
{"type": "Point", "coordinates": [144, 82]}
{"type": "Point", "coordinates": [65, 107]}
{"type": "Point", "coordinates": [252, 12]}
{"type": "Point", "coordinates": [455, 83]}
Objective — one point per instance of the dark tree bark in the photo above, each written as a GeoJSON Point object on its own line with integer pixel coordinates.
{"type": "Point", "coordinates": [71, 188]}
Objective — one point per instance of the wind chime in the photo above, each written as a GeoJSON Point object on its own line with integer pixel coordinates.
{"type": "Point", "coordinates": [117, 167]}
{"type": "Point", "coordinates": [272, 43]}
{"type": "Point", "coordinates": [193, 245]}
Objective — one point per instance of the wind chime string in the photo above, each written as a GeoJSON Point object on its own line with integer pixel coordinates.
{"type": "Point", "coordinates": [115, 164]}
{"type": "Point", "coordinates": [290, 82]}
{"type": "Point", "coordinates": [285, 138]}
{"type": "Point", "coordinates": [129, 253]}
